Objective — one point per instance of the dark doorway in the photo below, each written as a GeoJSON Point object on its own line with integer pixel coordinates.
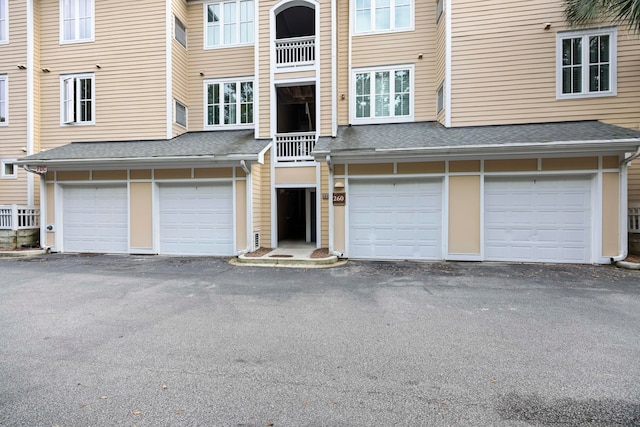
{"type": "Point", "coordinates": [296, 215]}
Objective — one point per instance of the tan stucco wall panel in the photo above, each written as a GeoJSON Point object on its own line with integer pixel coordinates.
{"type": "Point", "coordinates": [73, 175]}
{"type": "Point", "coordinates": [371, 169]}
{"type": "Point", "coordinates": [115, 175]}
{"type": "Point", "coordinates": [416, 168]}
{"type": "Point", "coordinates": [610, 214]}
{"type": "Point", "coordinates": [141, 215]}
{"type": "Point", "coordinates": [464, 166]}
{"type": "Point", "coordinates": [610, 162]}
{"type": "Point", "coordinates": [464, 215]}
{"type": "Point", "coordinates": [572, 163]}
{"type": "Point", "coordinates": [511, 165]}
{"type": "Point", "coordinates": [173, 173]}
{"type": "Point", "coordinates": [301, 175]}
{"type": "Point", "coordinates": [338, 169]}
{"type": "Point", "coordinates": [241, 215]}
{"type": "Point", "coordinates": [213, 173]}
{"type": "Point", "coordinates": [140, 174]}
{"type": "Point", "coordinates": [339, 229]}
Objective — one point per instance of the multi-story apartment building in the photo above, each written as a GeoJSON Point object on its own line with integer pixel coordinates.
{"type": "Point", "coordinates": [396, 129]}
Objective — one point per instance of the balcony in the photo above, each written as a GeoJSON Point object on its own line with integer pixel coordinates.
{"type": "Point", "coordinates": [295, 51]}
{"type": "Point", "coordinates": [295, 146]}
{"type": "Point", "coordinates": [14, 217]}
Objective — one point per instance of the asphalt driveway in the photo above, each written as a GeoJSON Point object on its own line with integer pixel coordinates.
{"type": "Point", "coordinates": [155, 341]}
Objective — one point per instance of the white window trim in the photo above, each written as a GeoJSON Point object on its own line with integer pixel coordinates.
{"type": "Point", "coordinates": [439, 10]}
{"type": "Point", "coordinates": [612, 32]}
{"type": "Point", "coordinates": [411, 26]}
{"type": "Point", "coordinates": [4, 6]}
{"type": "Point", "coordinates": [237, 80]}
{"type": "Point", "coordinates": [175, 31]}
{"type": "Point", "coordinates": [5, 79]}
{"type": "Point", "coordinates": [440, 94]}
{"type": "Point", "coordinates": [3, 162]}
{"type": "Point", "coordinates": [224, 46]}
{"type": "Point", "coordinates": [62, 98]}
{"type": "Point", "coordinates": [391, 119]}
{"type": "Point", "coordinates": [77, 40]}
{"type": "Point", "coordinates": [175, 113]}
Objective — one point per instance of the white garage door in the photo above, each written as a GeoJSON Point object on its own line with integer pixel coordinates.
{"type": "Point", "coordinates": [538, 219]}
{"type": "Point", "coordinates": [196, 219]}
{"type": "Point", "coordinates": [95, 219]}
{"type": "Point", "coordinates": [395, 220]}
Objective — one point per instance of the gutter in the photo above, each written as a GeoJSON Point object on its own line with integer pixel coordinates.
{"type": "Point", "coordinates": [137, 160]}
{"type": "Point", "coordinates": [624, 241]}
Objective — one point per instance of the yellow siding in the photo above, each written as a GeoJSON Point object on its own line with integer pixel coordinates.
{"type": "Point", "coordinates": [610, 214]}
{"type": "Point", "coordinates": [256, 193]}
{"type": "Point", "coordinates": [323, 96]}
{"type": "Point", "coordinates": [241, 215]}
{"type": "Point", "coordinates": [440, 61]}
{"type": "Point", "coordinates": [263, 44]}
{"type": "Point", "coordinates": [403, 48]}
{"type": "Point", "coordinates": [343, 62]}
{"type": "Point", "coordinates": [265, 205]}
{"type": "Point", "coordinates": [504, 67]}
{"type": "Point", "coordinates": [324, 205]}
{"type": "Point", "coordinates": [130, 86]}
{"type": "Point", "coordinates": [464, 215]}
{"type": "Point", "coordinates": [141, 215]}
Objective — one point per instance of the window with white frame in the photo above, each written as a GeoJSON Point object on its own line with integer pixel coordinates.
{"type": "Point", "coordinates": [8, 169]}
{"type": "Point", "coordinates": [180, 114]}
{"type": "Point", "coordinates": [440, 98]}
{"type": "Point", "coordinates": [383, 94]}
{"type": "Point", "coordinates": [76, 20]}
{"type": "Point", "coordinates": [4, 21]}
{"type": "Point", "coordinates": [439, 9]}
{"type": "Point", "coordinates": [4, 97]}
{"type": "Point", "coordinates": [229, 103]}
{"type": "Point", "coordinates": [383, 15]}
{"type": "Point", "coordinates": [586, 64]}
{"type": "Point", "coordinates": [77, 104]}
{"type": "Point", "coordinates": [229, 23]}
{"type": "Point", "coordinates": [180, 32]}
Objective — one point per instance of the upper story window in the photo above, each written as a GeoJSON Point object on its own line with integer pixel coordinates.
{"type": "Point", "coordinates": [76, 20]}
{"type": "Point", "coordinates": [229, 23]}
{"type": "Point", "coordinates": [383, 15]}
{"type": "Point", "coordinates": [4, 87]}
{"type": "Point", "coordinates": [8, 169]}
{"type": "Point", "coordinates": [77, 104]}
{"type": "Point", "coordinates": [229, 103]}
{"type": "Point", "coordinates": [180, 32]}
{"type": "Point", "coordinates": [4, 21]}
{"type": "Point", "coordinates": [586, 64]}
{"type": "Point", "coordinates": [383, 95]}
{"type": "Point", "coordinates": [180, 114]}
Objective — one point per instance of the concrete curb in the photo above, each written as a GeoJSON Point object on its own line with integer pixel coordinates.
{"type": "Point", "coordinates": [22, 254]}
{"type": "Point", "coordinates": [628, 265]}
{"type": "Point", "coordinates": [293, 262]}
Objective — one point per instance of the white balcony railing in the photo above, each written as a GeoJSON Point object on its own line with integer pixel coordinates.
{"type": "Point", "coordinates": [296, 51]}
{"type": "Point", "coordinates": [14, 217]}
{"type": "Point", "coordinates": [295, 146]}
{"type": "Point", "coordinates": [633, 213]}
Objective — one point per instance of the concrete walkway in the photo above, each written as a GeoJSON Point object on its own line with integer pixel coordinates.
{"type": "Point", "coordinates": [290, 254]}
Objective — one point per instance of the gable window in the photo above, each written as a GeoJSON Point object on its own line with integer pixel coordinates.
{"type": "Point", "coordinates": [3, 100]}
{"type": "Point", "coordinates": [229, 103]}
{"type": "Point", "coordinates": [383, 94]}
{"type": "Point", "coordinates": [77, 100]}
{"type": "Point", "coordinates": [229, 23]}
{"type": "Point", "coordinates": [181, 114]}
{"type": "Point", "coordinates": [8, 169]}
{"type": "Point", "coordinates": [4, 21]}
{"type": "Point", "coordinates": [586, 63]}
{"type": "Point", "coordinates": [180, 32]}
{"type": "Point", "coordinates": [76, 20]}
{"type": "Point", "coordinates": [383, 15]}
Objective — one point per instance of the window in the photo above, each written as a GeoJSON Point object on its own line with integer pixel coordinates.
{"type": "Point", "coordinates": [76, 20]}
{"type": "Point", "coordinates": [3, 100]}
{"type": "Point", "coordinates": [8, 169]}
{"type": "Point", "coordinates": [383, 95]}
{"type": "Point", "coordinates": [77, 101]}
{"type": "Point", "coordinates": [229, 103]}
{"type": "Point", "coordinates": [440, 98]}
{"type": "Point", "coordinates": [229, 23]}
{"type": "Point", "coordinates": [586, 63]}
{"type": "Point", "coordinates": [181, 114]}
{"type": "Point", "coordinates": [383, 15]}
{"type": "Point", "coordinates": [4, 21]}
{"type": "Point", "coordinates": [439, 9]}
{"type": "Point", "coordinates": [180, 32]}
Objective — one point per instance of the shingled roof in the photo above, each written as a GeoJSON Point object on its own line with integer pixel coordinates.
{"type": "Point", "coordinates": [432, 137]}
{"type": "Point", "coordinates": [214, 146]}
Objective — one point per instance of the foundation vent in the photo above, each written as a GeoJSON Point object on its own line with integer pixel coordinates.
{"type": "Point", "coordinates": [256, 240]}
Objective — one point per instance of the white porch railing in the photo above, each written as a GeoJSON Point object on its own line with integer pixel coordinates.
{"type": "Point", "coordinates": [295, 146]}
{"type": "Point", "coordinates": [633, 213]}
{"type": "Point", "coordinates": [15, 217]}
{"type": "Point", "coordinates": [296, 51]}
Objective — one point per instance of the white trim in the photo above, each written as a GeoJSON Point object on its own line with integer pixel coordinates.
{"type": "Point", "coordinates": [31, 100]}
{"type": "Point", "coordinates": [168, 36]}
{"type": "Point", "coordinates": [612, 32]}
{"type": "Point", "coordinates": [72, 89]}
{"type": "Point", "coordinates": [3, 163]}
{"type": "Point", "coordinates": [256, 88]}
{"type": "Point", "coordinates": [392, 13]}
{"type": "Point", "coordinates": [76, 6]}
{"type": "Point", "coordinates": [392, 118]}
{"type": "Point", "coordinates": [448, 61]}
{"type": "Point", "coordinates": [4, 81]}
{"type": "Point", "coordinates": [4, 7]}
{"type": "Point", "coordinates": [334, 69]}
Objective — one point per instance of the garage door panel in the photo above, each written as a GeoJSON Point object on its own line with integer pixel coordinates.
{"type": "Point", "coordinates": [543, 219]}
{"type": "Point", "coordinates": [395, 220]}
{"type": "Point", "coordinates": [196, 219]}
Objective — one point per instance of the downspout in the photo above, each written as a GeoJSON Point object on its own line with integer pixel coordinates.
{"type": "Point", "coordinates": [624, 243]}
{"type": "Point", "coordinates": [30, 98]}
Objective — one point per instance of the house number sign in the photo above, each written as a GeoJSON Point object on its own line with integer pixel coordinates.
{"type": "Point", "coordinates": [339, 198]}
